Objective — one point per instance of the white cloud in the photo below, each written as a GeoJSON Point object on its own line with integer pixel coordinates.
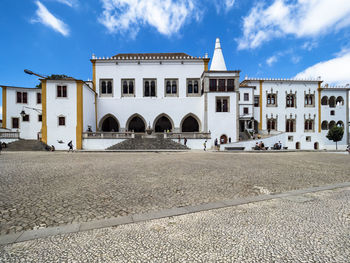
{"type": "Point", "coordinates": [70, 3]}
{"type": "Point", "coordinates": [167, 16]}
{"type": "Point", "coordinates": [48, 19]}
{"type": "Point", "coordinates": [271, 60]}
{"type": "Point", "coordinates": [225, 5]}
{"type": "Point", "coordinates": [309, 45]}
{"type": "Point", "coordinates": [301, 18]}
{"type": "Point", "coordinates": [333, 71]}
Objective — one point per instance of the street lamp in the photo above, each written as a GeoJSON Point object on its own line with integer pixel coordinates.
{"type": "Point", "coordinates": [23, 113]}
{"type": "Point", "coordinates": [29, 72]}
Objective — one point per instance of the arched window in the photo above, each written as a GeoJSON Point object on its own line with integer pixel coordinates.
{"type": "Point", "coordinates": [174, 87]}
{"type": "Point", "coordinates": [332, 102]}
{"type": "Point", "coordinates": [153, 88]}
{"type": "Point", "coordinates": [147, 93]}
{"type": "Point", "coordinates": [340, 124]}
{"type": "Point", "coordinates": [324, 100]}
{"type": "Point", "coordinates": [168, 87]}
{"type": "Point", "coordinates": [190, 124]}
{"type": "Point", "coordinates": [163, 124]}
{"type": "Point", "coordinates": [272, 99]}
{"type": "Point", "coordinates": [125, 87]}
{"type": "Point", "coordinates": [340, 101]}
{"type": "Point", "coordinates": [331, 124]}
{"type": "Point", "coordinates": [109, 124]}
{"type": "Point", "coordinates": [109, 87]}
{"type": "Point", "coordinates": [196, 86]}
{"type": "Point", "coordinates": [271, 124]}
{"type": "Point", "coordinates": [309, 99]}
{"type": "Point", "coordinates": [309, 125]}
{"type": "Point", "coordinates": [136, 124]}
{"type": "Point", "coordinates": [104, 87]}
{"type": "Point", "coordinates": [131, 87]}
{"type": "Point", "coordinates": [189, 87]}
{"type": "Point", "coordinates": [290, 101]}
{"type": "Point", "coordinates": [324, 125]}
{"type": "Point", "coordinates": [290, 125]}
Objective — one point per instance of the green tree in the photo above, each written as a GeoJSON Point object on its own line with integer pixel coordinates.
{"type": "Point", "coordinates": [335, 134]}
{"type": "Point", "coordinates": [54, 77]}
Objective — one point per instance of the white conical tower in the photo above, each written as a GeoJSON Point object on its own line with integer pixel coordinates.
{"type": "Point", "coordinates": [218, 62]}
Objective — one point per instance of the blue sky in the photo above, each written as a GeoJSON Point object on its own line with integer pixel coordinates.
{"type": "Point", "coordinates": [272, 39]}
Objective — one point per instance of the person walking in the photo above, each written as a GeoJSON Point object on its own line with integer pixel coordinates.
{"type": "Point", "coordinates": [0, 147]}
{"type": "Point", "coordinates": [185, 141]}
{"type": "Point", "coordinates": [70, 145]}
{"type": "Point", "coordinates": [205, 145]}
{"type": "Point", "coordinates": [348, 149]}
{"type": "Point", "coordinates": [216, 143]}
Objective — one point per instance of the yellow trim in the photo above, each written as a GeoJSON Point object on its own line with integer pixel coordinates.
{"type": "Point", "coordinates": [319, 106]}
{"type": "Point", "coordinates": [4, 106]}
{"type": "Point", "coordinates": [206, 63]}
{"type": "Point", "coordinates": [79, 129]}
{"type": "Point", "coordinates": [44, 117]}
{"type": "Point", "coordinates": [94, 88]}
{"type": "Point", "coordinates": [260, 104]}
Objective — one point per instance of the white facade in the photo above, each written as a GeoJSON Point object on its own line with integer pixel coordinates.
{"type": "Point", "coordinates": [176, 94]}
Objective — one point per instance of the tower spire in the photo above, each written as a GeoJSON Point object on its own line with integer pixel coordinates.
{"type": "Point", "coordinates": [218, 62]}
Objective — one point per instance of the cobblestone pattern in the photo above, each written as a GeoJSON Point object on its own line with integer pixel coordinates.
{"type": "Point", "coordinates": [48, 189]}
{"type": "Point", "coordinates": [307, 228]}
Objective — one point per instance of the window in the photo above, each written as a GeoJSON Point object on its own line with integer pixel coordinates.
{"type": "Point", "coordinates": [271, 124]}
{"type": "Point", "coordinates": [128, 87]}
{"type": "Point", "coordinates": [271, 99]}
{"type": "Point", "coordinates": [290, 125]}
{"type": "Point", "coordinates": [171, 87]}
{"type": "Point", "coordinates": [25, 118]}
{"type": "Point", "coordinates": [324, 100]}
{"type": "Point", "coordinates": [332, 102]}
{"type": "Point", "coordinates": [290, 101]}
{"type": "Point", "coordinates": [40, 118]}
{"type": "Point", "coordinates": [61, 91]}
{"type": "Point", "coordinates": [212, 84]}
{"type": "Point", "coordinates": [331, 124]}
{"type": "Point", "coordinates": [149, 88]}
{"type": "Point", "coordinates": [15, 123]}
{"type": "Point", "coordinates": [38, 98]}
{"type": "Point", "coordinates": [290, 138]}
{"type": "Point", "coordinates": [339, 101]}
{"type": "Point", "coordinates": [245, 110]}
{"type": "Point", "coordinates": [106, 88]}
{"type": "Point", "coordinates": [256, 101]}
{"type": "Point", "coordinates": [221, 85]}
{"type": "Point", "coordinates": [332, 112]}
{"type": "Point", "coordinates": [309, 100]}
{"type": "Point", "coordinates": [324, 125]}
{"type": "Point", "coordinates": [309, 125]}
{"type": "Point", "coordinates": [308, 138]}
{"type": "Point", "coordinates": [230, 85]}
{"type": "Point", "coordinates": [61, 121]}
{"type": "Point", "coordinates": [22, 97]}
{"type": "Point", "coordinates": [192, 87]}
{"type": "Point", "coordinates": [246, 96]}
{"type": "Point", "coordinates": [222, 104]}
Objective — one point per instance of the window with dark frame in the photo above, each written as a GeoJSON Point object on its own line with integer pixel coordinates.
{"type": "Point", "coordinates": [290, 101]}
{"type": "Point", "coordinates": [38, 98]}
{"type": "Point", "coordinates": [61, 121]}
{"type": "Point", "coordinates": [127, 87]}
{"type": "Point", "coordinates": [245, 110]}
{"type": "Point", "coordinates": [230, 85]}
{"type": "Point", "coordinates": [271, 99]}
{"type": "Point", "coordinates": [149, 88]}
{"type": "Point", "coordinates": [271, 124]}
{"type": "Point", "coordinates": [61, 91]}
{"type": "Point", "coordinates": [170, 87]}
{"type": "Point", "coordinates": [246, 96]}
{"type": "Point", "coordinates": [212, 85]}
{"type": "Point", "coordinates": [222, 104]}
{"type": "Point", "coordinates": [106, 87]}
{"type": "Point", "coordinates": [22, 97]}
{"type": "Point", "coordinates": [309, 99]}
{"type": "Point", "coordinates": [40, 118]}
{"type": "Point", "coordinates": [222, 85]}
{"type": "Point", "coordinates": [256, 101]}
{"type": "Point", "coordinates": [309, 125]}
{"type": "Point", "coordinates": [290, 125]}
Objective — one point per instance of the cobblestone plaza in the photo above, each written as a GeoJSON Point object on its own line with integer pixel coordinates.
{"type": "Point", "coordinates": [39, 189]}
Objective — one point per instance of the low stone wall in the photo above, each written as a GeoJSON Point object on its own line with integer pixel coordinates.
{"type": "Point", "coordinates": [99, 144]}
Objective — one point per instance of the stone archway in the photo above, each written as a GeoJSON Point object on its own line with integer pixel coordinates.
{"type": "Point", "coordinates": [163, 123]}
{"type": "Point", "coordinates": [223, 139]}
{"type": "Point", "coordinates": [109, 123]}
{"type": "Point", "coordinates": [316, 146]}
{"type": "Point", "coordinates": [136, 123]}
{"type": "Point", "coordinates": [190, 123]}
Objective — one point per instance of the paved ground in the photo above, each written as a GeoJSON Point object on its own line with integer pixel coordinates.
{"type": "Point", "coordinates": [41, 189]}
{"type": "Point", "coordinates": [305, 228]}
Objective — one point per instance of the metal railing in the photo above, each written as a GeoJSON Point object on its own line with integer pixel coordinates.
{"type": "Point", "coordinates": [108, 135]}
{"type": "Point", "coordinates": [9, 135]}
{"type": "Point", "coordinates": [188, 135]}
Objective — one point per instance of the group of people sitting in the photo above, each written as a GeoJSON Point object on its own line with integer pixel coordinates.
{"type": "Point", "coordinates": [277, 146]}
{"type": "Point", "coordinates": [261, 146]}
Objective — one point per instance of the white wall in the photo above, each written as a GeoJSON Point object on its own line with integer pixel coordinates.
{"type": "Point", "coordinates": [88, 109]}
{"type": "Point", "coordinates": [99, 144]}
{"type": "Point", "coordinates": [61, 106]}
{"type": "Point", "coordinates": [28, 130]}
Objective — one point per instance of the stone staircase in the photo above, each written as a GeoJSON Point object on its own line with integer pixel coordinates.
{"type": "Point", "coordinates": [139, 143]}
{"type": "Point", "coordinates": [26, 145]}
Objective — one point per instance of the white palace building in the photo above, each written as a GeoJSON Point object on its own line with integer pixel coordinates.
{"type": "Point", "coordinates": [175, 96]}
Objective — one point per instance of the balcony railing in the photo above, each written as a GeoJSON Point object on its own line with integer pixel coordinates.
{"type": "Point", "coordinates": [187, 135]}
{"type": "Point", "coordinates": [108, 135]}
{"type": "Point", "coordinates": [9, 135]}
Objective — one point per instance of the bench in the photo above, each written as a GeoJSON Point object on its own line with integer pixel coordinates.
{"type": "Point", "coordinates": [234, 148]}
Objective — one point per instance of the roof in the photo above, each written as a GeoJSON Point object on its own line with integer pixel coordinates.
{"type": "Point", "coordinates": [14, 87]}
{"type": "Point", "coordinates": [148, 56]}
{"type": "Point", "coordinates": [218, 62]}
{"type": "Point", "coordinates": [248, 80]}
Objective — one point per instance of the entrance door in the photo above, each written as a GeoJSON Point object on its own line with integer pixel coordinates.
{"type": "Point", "coordinates": [316, 146]}
{"type": "Point", "coordinates": [223, 139]}
{"type": "Point", "coordinates": [297, 146]}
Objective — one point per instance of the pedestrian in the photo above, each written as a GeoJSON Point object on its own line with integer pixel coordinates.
{"type": "Point", "coordinates": [279, 145]}
{"type": "Point", "coordinates": [216, 142]}
{"type": "Point", "coordinates": [229, 139]}
{"type": "Point", "coordinates": [268, 131]}
{"type": "Point", "coordinates": [348, 149]}
{"type": "Point", "coordinates": [205, 145]}
{"type": "Point", "coordinates": [70, 145]}
{"type": "Point", "coordinates": [185, 141]}
{"type": "Point", "coordinates": [0, 147]}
